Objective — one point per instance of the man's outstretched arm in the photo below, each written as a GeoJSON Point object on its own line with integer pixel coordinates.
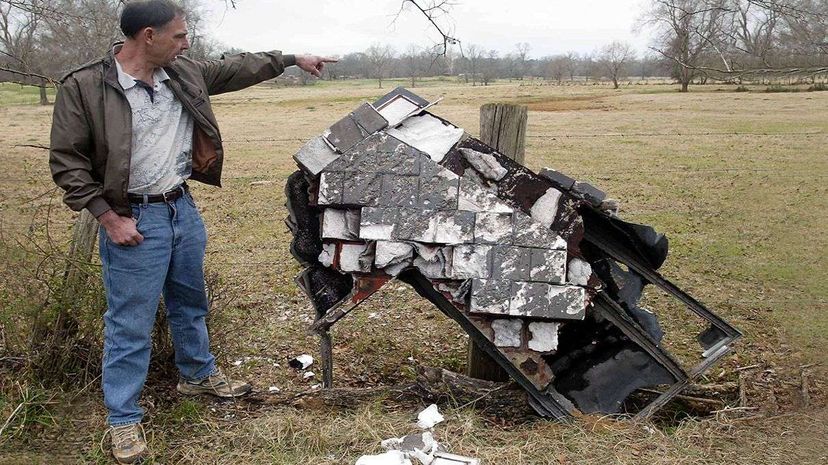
{"type": "Point", "coordinates": [235, 72]}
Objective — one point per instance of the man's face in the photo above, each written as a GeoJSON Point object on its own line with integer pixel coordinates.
{"type": "Point", "coordinates": [168, 41]}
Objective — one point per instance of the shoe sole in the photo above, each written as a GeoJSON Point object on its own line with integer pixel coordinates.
{"type": "Point", "coordinates": [190, 390]}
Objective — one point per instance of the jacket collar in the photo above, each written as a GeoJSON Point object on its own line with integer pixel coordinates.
{"type": "Point", "coordinates": [116, 79]}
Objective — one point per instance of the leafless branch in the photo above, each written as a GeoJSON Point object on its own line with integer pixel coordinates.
{"type": "Point", "coordinates": [747, 71]}
{"type": "Point", "coordinates": [432, 11]}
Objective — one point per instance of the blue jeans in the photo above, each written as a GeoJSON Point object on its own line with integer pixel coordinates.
{"type": "Point", "coordinates": [170, 261]}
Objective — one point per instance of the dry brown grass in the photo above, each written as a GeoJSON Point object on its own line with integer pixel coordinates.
{"type": "Point", "coordinates": [736, 180]}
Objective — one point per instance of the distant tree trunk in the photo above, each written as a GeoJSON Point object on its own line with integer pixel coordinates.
{"type": "Point", "coordinates": [615, 82]}
{"type": "Point", "coordinates": [379, 82]}
{"type": "Point", "coordinates": [44, 99]}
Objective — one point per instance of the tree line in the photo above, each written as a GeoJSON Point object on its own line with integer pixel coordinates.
{"type": "Point", "coordinates": [693, 41]}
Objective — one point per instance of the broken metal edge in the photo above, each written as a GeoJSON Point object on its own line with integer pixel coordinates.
{"type": "Point", "coordinates": [400, 92]}
{"type": "Point", "coordinates": [549, 403]}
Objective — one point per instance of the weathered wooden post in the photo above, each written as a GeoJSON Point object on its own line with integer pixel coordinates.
{"type": "Point", "coordinates": [502, 126]}
{"type": "Point", "coordinates": [84, 234]}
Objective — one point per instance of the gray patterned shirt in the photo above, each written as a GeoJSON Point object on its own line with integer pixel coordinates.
{"type": "Point", "coordinates": [162, 135]}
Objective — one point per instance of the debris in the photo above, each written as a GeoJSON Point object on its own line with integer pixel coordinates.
{"type": "Point", "coordinates": [392, 457]}
{"type": "Point", "coordinates": [301, 362]}
{"type": "Point", "coordinates": [507, 332]}
{"type": "Point", "coordinates": [536, 268]}
{"type": "Point", "coordinates": [485, 164]}
{"type": "Point", "coordinates": [579, 272]}
{"type": "Point", "coordinates": [261, 183]}
{"type": "Point", "coordinates": [428, 134]}
{"type": "Point", "coordinates": [273, 389]}
{"type": "Point", "coordinates": [544, 336]}
{"type": "Point", "coordinates": [443, 458]}
{"type": "Point", "coordinates": [308, 375]}
{"type": "Point", "coordinates": [429, 417]}
{"type": "Point", "coordinates": [545, 209]}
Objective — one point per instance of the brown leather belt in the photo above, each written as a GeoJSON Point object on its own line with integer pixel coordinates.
{"type": "Point", "coordinates": [169, 196]}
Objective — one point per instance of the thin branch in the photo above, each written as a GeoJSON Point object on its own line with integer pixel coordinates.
{"type": "Point", "coordinates": [433, 10]}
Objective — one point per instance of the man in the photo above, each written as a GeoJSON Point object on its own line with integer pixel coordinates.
{"type": "Point", "coordinates": [128, 130]}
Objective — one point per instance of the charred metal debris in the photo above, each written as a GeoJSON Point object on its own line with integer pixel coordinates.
{"type": "Point", "coordinates": [537, 268]}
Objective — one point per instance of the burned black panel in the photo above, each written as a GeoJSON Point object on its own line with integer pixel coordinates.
{"type": "Point", "coordinates": [325, 287]}
{"type": "Point", "coordinates": [597, 366]}
{"type": "Point", "coordinates": [303, 220]}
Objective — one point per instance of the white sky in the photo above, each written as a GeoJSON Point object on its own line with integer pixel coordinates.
{"type": "Point", "coordinates": [332, 27]}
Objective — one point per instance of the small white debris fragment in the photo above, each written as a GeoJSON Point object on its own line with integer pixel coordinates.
{"type": "Point", "coordinates": [422, 457]}
{"type": "Point", "coordinates": [429, 417]}
{"type": "Point", "coordinates": [373, 315]}
{"type": "Point", "coordinates": [391, 443]}
{"type": "Point", "coordinates": [261, 183]}
{"type": "Point", "coordinates": [546, 207]}
{"type": "Point", "coordinates": [485, 164]}
{"type": "Point", "coordinates": [392, 457]}
{"type": "Point", "coordinates": [301, 362]}
{"type": "Point", "coordinates": [237, 363]}
{"type": "Point", "coordinates": [273, 389]}
{"type": "Point", "coordinates": [316, 386]}
{"type": "Point", "coordinates": [579, 272]}
{"type": "Point", "coordinates": [326, 257]}
{"type": "Point", "coordinates": [308, 375]}
{"type": "Point", "coordinates": [544, 336]}
{"type": "Point", "coordinates": [507, 332]}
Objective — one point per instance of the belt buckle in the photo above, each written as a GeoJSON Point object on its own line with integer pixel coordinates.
{"type": "Point", "coordinates": [170, 193]}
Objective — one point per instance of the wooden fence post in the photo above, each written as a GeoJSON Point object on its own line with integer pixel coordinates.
{"type": "Point", "coordinates": [502, 126]}
{"type": "Point", "coordinates": [84, 234]}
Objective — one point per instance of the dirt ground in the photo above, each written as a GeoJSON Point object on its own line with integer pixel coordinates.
{"type": "Point", "coordinates": [737, 181]}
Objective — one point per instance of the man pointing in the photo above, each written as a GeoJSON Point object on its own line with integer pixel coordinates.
{"type": "Point", "coordinates": [128, 131]}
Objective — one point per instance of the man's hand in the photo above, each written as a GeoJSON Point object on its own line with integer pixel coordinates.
{"type": "Point", "coordinates": [313, 64]}
{"type": "Point", "coordinates": [120, 229]}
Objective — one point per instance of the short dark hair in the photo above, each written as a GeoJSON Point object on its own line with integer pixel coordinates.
{"type": "Point", "coordinates": [138, 15]}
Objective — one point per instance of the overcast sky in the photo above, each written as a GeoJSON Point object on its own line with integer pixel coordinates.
{"type": "Point", "coordinates": [334, 27]}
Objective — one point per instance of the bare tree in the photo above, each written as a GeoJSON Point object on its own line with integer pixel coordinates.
{"type": "Point", "coordinates": [570, 64]}
{"type": "Point", "coordinates": [685, 30]}
{"type": "Point", "coordinates": [436, 12]}
{"type": "Point", "coordinates": [555, 67]}
{"type": "Point", "coordinates": [489, 68]}
{"type": "Point", "coordinates": [521, 54]}
{"type": "Point", "coordinates": [379, 57]}
{"type": "Point", "coordinates": [412, 58]}
{"type": "Point", "coordinates": [614, 58]}
{"type": "Point", "coordinates": [474, 54]}
{"type": "Point", "coordinates": [21, 22]}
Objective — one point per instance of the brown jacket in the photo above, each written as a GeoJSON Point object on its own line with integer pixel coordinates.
{"type": "Point", "coordinates": [91, 140]}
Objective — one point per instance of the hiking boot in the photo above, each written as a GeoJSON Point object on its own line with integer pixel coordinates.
{"type": "Point", "coordinates": [128, 443]}
{"type": "Point", "coordinates": [217, 385]}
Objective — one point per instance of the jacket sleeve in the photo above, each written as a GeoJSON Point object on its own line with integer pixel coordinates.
{"type": "Point", "coordinates": [70, 152]}
{"type": "Point", "coordinates": [235, 72]}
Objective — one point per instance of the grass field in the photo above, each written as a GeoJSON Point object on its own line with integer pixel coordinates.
{"type": "Point", "coordinates": [736, 180]}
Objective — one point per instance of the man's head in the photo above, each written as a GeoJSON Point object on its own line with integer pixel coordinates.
{"type": "Point", "coordinates": [158, 27]}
